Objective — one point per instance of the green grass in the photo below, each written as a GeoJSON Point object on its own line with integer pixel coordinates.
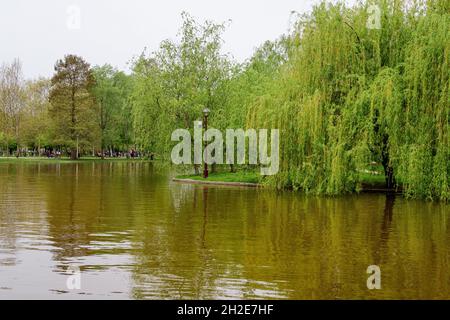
{"type": "Point", "coordinates": [373, 176]}
{"type": "Point", "coordinates": [240, 176]}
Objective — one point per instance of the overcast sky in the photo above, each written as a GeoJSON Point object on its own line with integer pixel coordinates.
{"type": "Point", "coordinates": [113, 31]}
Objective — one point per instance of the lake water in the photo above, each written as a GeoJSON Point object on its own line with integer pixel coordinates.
{"type": "Point", "coordinates": [135, 234]}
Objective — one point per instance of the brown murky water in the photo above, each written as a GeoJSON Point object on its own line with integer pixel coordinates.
{"type": "Point", "coordinates": [135, 234]}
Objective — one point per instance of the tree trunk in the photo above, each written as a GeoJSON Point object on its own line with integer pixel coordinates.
{"type": "Point", "coordinates": [388, 169]}
{"type": "Point", "coordinates": [78, 151]}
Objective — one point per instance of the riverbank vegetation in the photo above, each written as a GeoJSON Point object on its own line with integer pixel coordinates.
{"type": "Point", "coordinates": [244, 176]}
{"type": "Point", "coordinates": [346, 95]}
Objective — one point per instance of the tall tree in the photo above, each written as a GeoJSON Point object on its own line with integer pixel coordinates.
{"type": "Point", "coordinates": [12, 99]}
{"type": "Point", "coordinates": [36, 125]}
{"type": "Point", "coordinates": [72, 103]}
{"type": "Point", "coordinates": [174, 84]}
{"type": "Point", "coordinates": [124, 125]}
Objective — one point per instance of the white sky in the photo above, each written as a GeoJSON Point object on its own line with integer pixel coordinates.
{"type": "Point", "coordinates": [113, 31]}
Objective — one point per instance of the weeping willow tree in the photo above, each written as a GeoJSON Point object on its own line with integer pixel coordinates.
{"type": "Point", "coordinates": [351, 95]}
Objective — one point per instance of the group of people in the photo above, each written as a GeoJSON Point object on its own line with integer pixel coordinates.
{"type": "Point", "coordinates": [119, 154]}
{"type": "Point", "coordinates": [53, 153]}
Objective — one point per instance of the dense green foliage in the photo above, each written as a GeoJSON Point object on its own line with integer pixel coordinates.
{"type": "Point", "coordinates": [345, 96]}
{"type": "Point", "coordinates": [245, 176]}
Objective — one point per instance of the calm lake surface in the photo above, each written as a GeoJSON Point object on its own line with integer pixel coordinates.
{"type": "Point", "coordinates": [135, 234]}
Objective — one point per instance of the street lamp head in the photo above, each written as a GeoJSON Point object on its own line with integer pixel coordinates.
{"type": "Point", "coordinates": [206, 112]}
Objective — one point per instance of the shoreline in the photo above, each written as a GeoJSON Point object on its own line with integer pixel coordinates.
{"type": "Point", "coordinates": [366, 189]}
{"type": "Point", "coordinates": [219, 183]}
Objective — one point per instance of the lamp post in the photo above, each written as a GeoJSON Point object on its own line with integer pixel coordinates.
{"type": "Point", "coordinates": [205, 126]}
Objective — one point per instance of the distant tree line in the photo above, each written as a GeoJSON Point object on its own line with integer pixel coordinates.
{"type": "Point", "coordinates": [80, 110]}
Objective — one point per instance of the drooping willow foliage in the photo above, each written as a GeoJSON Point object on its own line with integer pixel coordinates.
{"type": "Point", "coordinates": [351, 95]}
